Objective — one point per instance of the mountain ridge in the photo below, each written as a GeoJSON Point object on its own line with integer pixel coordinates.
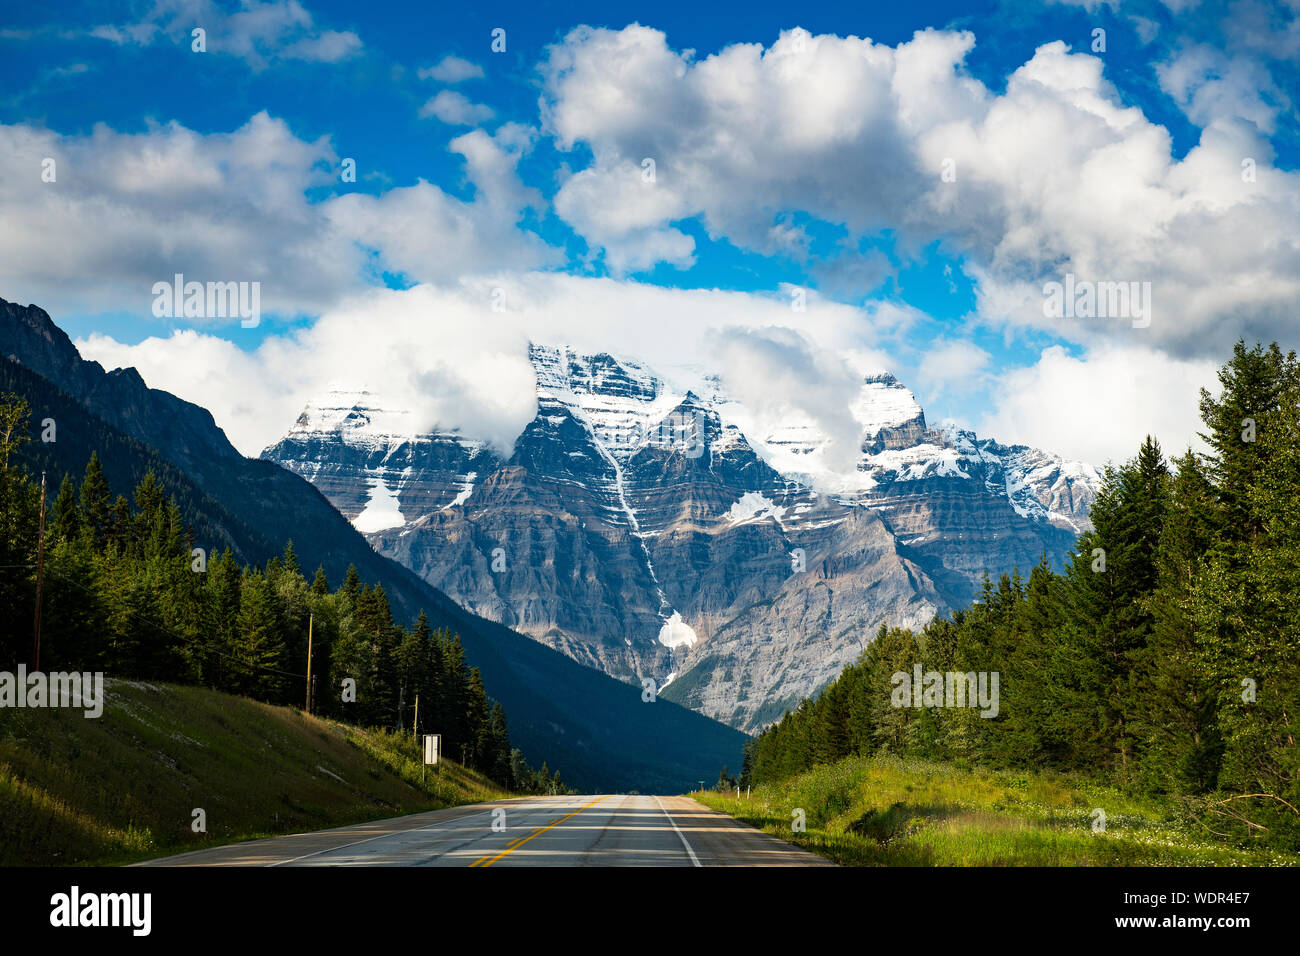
{"type": "Point", "coordinates": [598, 730]}
{"type": "Point", "coordinates": [637, 528]}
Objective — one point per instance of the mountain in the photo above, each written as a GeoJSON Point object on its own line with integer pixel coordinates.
{"type": "Point", "coordinates": [596, 730]}
{"type": "Point", "coordinates": [960, 504]}
{"type": "Point", "coordinates": [650, 531]}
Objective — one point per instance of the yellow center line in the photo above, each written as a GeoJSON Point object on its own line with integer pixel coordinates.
{"type": "Point", "coordinates": [489, 860]}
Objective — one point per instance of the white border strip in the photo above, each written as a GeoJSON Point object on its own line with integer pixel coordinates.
{"type": "Point", "coordinates": [694, 859]}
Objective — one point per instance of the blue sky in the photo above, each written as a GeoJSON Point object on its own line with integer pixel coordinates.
{"type": "Point", "coordinates": [520, 154]}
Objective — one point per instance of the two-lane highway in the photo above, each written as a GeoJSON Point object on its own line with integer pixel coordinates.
{"type": "Point", "coordinates": [609, 830]}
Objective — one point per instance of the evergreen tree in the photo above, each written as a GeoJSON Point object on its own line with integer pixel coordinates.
{"type": "Point", "coordinates": [65, 518]}
{"type": "Point", "coordinates": [15, 412]}
{"type": "Point", "coordinates": [95, 504]}
{"type": "Point", "coordinates": [1175, 700]}
{"type": "Point", "coordinates": [259, 647]}
{"type": "Point", "coordinates": [1166, 656]}
{"type": "Point", "coordinates": [351, 584]}
{"type": "Point", "coordinates": [1253, 383]}
{"type": "Point", "coordinates": [497, 761]}
{"type": "Point", "coordinates": [19, 519]}
{"type": "Point", "coordinates": [320, 585]}
{"type": "Point", "coordinates": [121, 594]}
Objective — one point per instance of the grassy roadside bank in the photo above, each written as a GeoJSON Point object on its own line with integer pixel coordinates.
{"type": "Point", "coordinates": [883, 811]}
{"type": "Point", "coordinates": [125, 786]}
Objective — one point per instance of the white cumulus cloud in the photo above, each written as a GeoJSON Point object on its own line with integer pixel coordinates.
{"type": "Point", "coordinates": [446, 353]}
{"type": "Point", "coordinates": [1055, 175]}
{"type": "Point", "coordinates": [456, 109]}
{"type": "Point", "coordinates": [127, 210]}
{"type": "Point", "coordinates": [451, 69]}
{"type": "Point", "coordinates": [1100, 406]}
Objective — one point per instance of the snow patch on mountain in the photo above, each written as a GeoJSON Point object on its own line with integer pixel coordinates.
{"type": "Point", "coordinates": [625, 406]}
{"type": "Point", "coordinates": [358, 416]}
{"type": "Point", "coordinates": [917, 462]}
{"type": "Point", "coordinates": [353, 412]}
{"type": "Point", "coordinates": [754, 506]}
{"type": "Point", "coordinates": [799, 448]}
{"type": "Point", "coordinates": [883, 402]}
{"type": "Point", "coordinates": [382, 510]}
{"type": "Point", "coordinates": [466, 489]}
{"type": "Point", "coordinates": [619, 399]}
{"type": "Point", "coordinates": [677, 633]}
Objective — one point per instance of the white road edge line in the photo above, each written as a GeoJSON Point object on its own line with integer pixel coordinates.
{"type": "Point", "coordinates": [681, 836]}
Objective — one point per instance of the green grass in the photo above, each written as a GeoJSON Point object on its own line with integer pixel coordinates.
{"type": "Point", "coordinates": [883, 811]}
{"type": "Point", "coordinates": [123, 787]}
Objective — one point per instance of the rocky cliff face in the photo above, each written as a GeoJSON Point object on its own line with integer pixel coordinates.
{"type": "Point", "coordinates": [348, 434]}
{"type": "Point", "coordinates": [639, 530]}
{"type": "Point", "coordinates": [187, 432]}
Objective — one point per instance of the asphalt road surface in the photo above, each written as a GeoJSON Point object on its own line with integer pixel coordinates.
{"type": "Point", "coordinates": [609, 830]}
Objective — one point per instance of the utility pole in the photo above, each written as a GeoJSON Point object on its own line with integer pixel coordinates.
{"type": "Point", "coordinates": [310, 619]}
{"type": "Point", "coordinates": [415, 725]}
{"type": "Point", "coordinates": [40, 578]}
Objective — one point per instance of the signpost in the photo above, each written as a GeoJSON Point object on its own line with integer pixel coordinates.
{"type": "Point", "coordinates": [432, 747]}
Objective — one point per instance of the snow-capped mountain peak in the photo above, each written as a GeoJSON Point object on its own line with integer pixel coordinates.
{"type": "Point", "coordinates": [654, 525]}
{"type": "Point", "coordinates": [356, 414]}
